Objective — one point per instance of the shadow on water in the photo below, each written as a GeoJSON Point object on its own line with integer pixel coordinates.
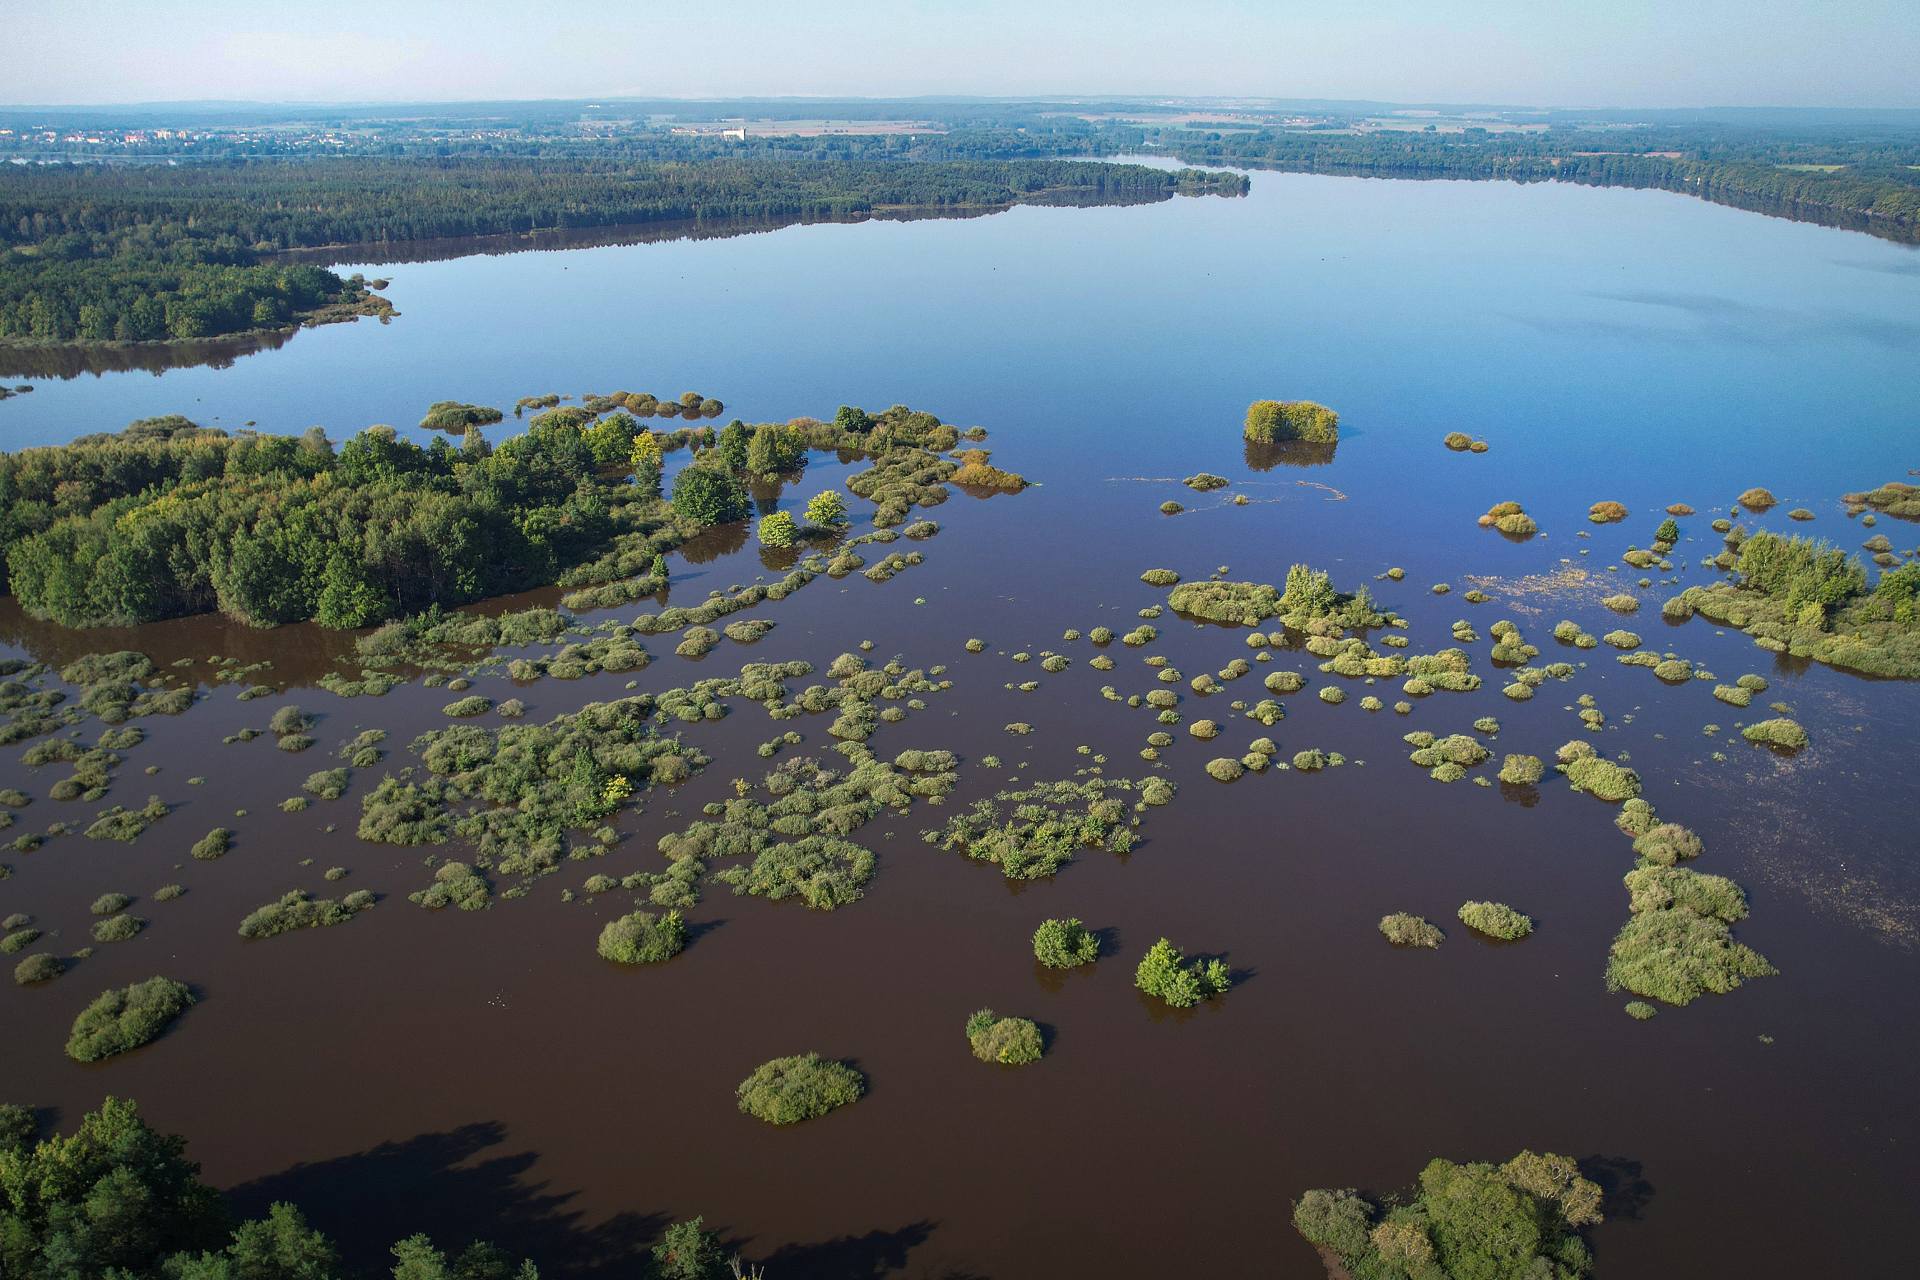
{"type": "Point", "coordinates": [458, 1185]}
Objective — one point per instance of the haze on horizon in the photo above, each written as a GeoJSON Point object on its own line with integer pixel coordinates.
{"type": "Point", "coordinates": [1601, 53]}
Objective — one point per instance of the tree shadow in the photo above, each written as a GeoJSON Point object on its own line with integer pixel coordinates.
{"type": "Point", "coordinates": [1625, 1193]}
{"type": "Point", "coordinates": [442, 1184]}
{"type": "Point", "coordinates": [864, 1257]}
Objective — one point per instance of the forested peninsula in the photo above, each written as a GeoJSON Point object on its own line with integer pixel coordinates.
{"type": "Point", "coordinates": [92, 254]}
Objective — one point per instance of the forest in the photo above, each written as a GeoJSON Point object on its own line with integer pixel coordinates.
{"type": "Point", "coordinates": [95, 254]}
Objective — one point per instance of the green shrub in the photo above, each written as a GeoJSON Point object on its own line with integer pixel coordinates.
{"type": "Point", "coordinates": [296, 910]}
{"type": "Point", "coordinates": [472, 705]}
{"type": "Point", "coordinates": [1780, 733]}
{"type": "Point", "coordinates": [108, 903]}
{"type": "Point", "coordinates": [1472, 1221]}
{"type": "Point", "coordinates": [1667, 844]}
{"type": "Point", "coordinates": [213, 845]}
{"type": "Point", "coordinates": [1165, 972]}
{"type": "Point", "coordinates": [1640, 1010]}
{"type": "Point", "coordinates": [1496, 920]}
{"type": "Point", "coordinates": [1677, 956]}
{"type": "Point", "coordinates": [803, 1087]}
{"type": "Point", "coordinates": [1602, 778]}
{"type": "Point", "coordinates": [1225, 769]}
{"type": "Point", "coordinates": [327, 784]}
{"type": "Point", "coordinates": [640, 938]}
{"type": "Point", "coordinates": [1404, 930]}
{"type": "Point", "coordinates": [40, 967]}
{"type": "Point", "coordinates": [1606, 512]}
{"type": "Point", "coordinates": [127, 1018]}
{"type": "Point", "coordinates": [1160, 577]}
{"type": "Point", "coordinates": [1757, 499]}
{"type": "Point", "coordinates": [117, 928]}
{"type": "Point", "coordinates": [1010, 1041]}
{"type": "Point", "coordinates": [1065, 944]}
{"type": "Point", "coordinates": [1274, 421]}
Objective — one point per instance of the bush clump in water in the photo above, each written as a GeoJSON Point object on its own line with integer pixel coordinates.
{"type": "Point", "coordinates": [1404, 930]}
{"type": "Point", "coordinates": [1160, 577]}
{"type": "Point", "coordinates": [1225, 769]}
{"type": "Point", "coordinates": [641, 938]}
{"type": "Point", "coordinates": [296, 910]}
{"type": "Point", "coordinates": [1166, 972]}
{"type": "Point", "coordinates": [1065, 944]}
{"type": "Point", "coordinates": [1522, 1218]}
{"type": "Point", "coordinates": [1607, 512]}
{"type": "Point", "coordinates": [1274, 421]}
{"type": "Point", "coordinates": [1496, 920]}
{"type": "Point", "coordinates": [37, 968]}
{"type": "Point", "coordinates": [127, 1018]}
{"type": "Point", "coordinates": [1781, 733]}
{"type": "Point", "coordinates": [1010, 1042]}
{"type": "Point", "coordinates": [1757, 499]}
{"type": "Point", "coordinates": [802, 1087]}
{"type": "Point", "coordinates": [1522, 770]}
{"type": "Point", "coordinates": [213, 845]}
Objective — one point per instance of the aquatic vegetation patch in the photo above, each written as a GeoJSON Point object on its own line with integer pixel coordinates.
{"type": "Point", "coordinates": [803, 1087]}
{"type": "Point", "coordinates": [1166, 972]}
{"type": "Point", "coordinates": [1780, 733]}
{"type": "Point", "coordinates": [1404, 930]}
{"type": "Point", "coordinates": [1522, 1218]}
{"type": "Point", "coordinates": [126, 1018]}
{"type": "Point", "coordinates": [1274, 421]}
{"type": "Point", "coordinates": [1065, 944]}
{"type": "Point", "coordinates": [1496, 920]}
{"type": "Point", "coordinates": [299, 910]}
{"type": "Point", "coordinates": [1010, 1042]}
{"type": "Point", "coordinates": [642, 938]}
{"type": "Point", "coordinates": [1033, 831]}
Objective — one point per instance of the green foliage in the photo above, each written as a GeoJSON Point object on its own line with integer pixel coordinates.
{"type": "Point", "coordinates": [296, 910]}
{"type": "Point", "coordinates": [803, 1087]}
{"type": "Point", "coordinates": [39, 967]}
{"type": "Point", "coordinates": [1166, 972]}
{"type": "Point", "coordinates": [1522, 770]}
{"type": "Point", "coordinates": [126, 1018]}
{"type": "Point", "coordinates": [1065, 944]}
{"type": "Point", "coordinates": [213, 845]}
{"type": "Point", "coordinates": [1780, 733]}
{"type": "Point", "coordinates": [778, 530]}
{"type": "Point", "coordinates": [1470, 1222]}
{"type": "Point", "coordinates": [706, 495]}
{"type": "Point", "coordinates": [1404, 930]}
{"type": "Point", "coordinates": [827, 510]}
{"type": "Point", "coordinates": [1496, 920]}
{"type": "Point", "coordinates": [640, 938]}
{"type": "Point", "coordinates": [1274, 421]}
{"type": "Point", "coordinates": [112, 1198]}
{"type": "Point", "coordinates": [687, 1251]}
{"type": "Point", "coordinates": [1031, 832]}
{"type": "Point", "coordinates": [1011, 1042]}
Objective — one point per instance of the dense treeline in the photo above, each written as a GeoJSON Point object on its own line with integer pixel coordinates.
{"type": "Point", "coordinates": [1870, 184]}
{"type": "Point", "coordinates": [167, 519]}
{"type": "Point", "coordinates": [97, 254]}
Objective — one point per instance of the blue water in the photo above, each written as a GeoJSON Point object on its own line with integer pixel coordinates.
{"type": "Point", "coordinates": [1637, 338]}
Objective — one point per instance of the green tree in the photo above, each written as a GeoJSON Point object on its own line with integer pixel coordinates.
{"type": "Point", "coordinates": [778, 530]}
{"type": "Point", "coordinates": [827, 510]}
{"type": "Point", "coordinates": [708, 496]}
{"type": "Point", "coordinates": [348, 597]}
{"type": "Point", "coordinates": [730, 447]}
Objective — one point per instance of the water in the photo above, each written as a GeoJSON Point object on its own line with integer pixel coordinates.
{"type": "Point", "coordinates": [485, 1073]}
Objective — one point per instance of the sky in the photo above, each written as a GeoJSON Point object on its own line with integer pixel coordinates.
{"type": "Point", "coordinates": [1596, 53]}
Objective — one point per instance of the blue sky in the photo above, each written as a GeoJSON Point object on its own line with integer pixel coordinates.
{"type": "Point", "coordinates": [1535, 52]}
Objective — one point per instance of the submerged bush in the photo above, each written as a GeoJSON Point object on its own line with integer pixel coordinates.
{"type": "Point", "coordinates": [1522, 770]}
{"type": "Point", "coordinates": [1273, 421]}
{"type": "Point", "coordinates": [297, 910]}
{"type": "Point", "coordinates": [803, 1087]}
{"type": "Point", "coordinates": [1012, 1042]}
{"type": "Point", "coordinates": [1781, 733]}
{"type": "Point", "coordinates": [127, 1018]}
{"type": "Point", "coordinates": [640, 938]}
{"type": "Point", "coordinates": [1602, 778]}
{"type": "Point", "coordinates": [1165, 972]}
{"type": "Point", "coordinates": [1065, 944]}
{"type": "Point", "coordinates": [40, 967]}
{"type": "Point", "coordinates": [1667, 843]}
{"type": "Point", "coordinates": [1606, 512]}
{"type": "Point", "coordinates": [1677, 956]}
{"type": "Point", "coordinates": [1404, 930]}
{"type": "Point", "coordinates": [1496, 920]}
{"type": "Point", "coordinates": [213, 845]}
{"type": "Point", "coordinates": [1471, 1221]}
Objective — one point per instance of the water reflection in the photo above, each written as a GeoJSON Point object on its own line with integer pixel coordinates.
{"type": "Point", "coordinates": [137, 357]}
{"type": "Point", "coordinates": [1289, 453]}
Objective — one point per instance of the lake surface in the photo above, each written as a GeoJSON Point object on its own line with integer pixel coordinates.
{"type": "Point", "coordinates": [484, 1073]}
